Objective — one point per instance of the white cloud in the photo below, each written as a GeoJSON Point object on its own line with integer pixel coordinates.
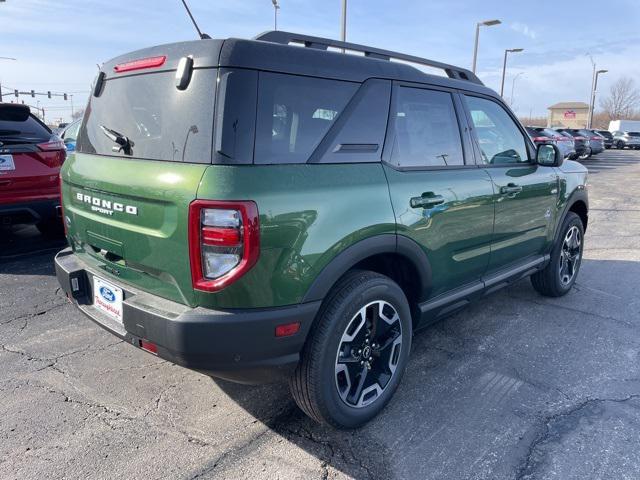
{"type": "Point", "coordinates": [524, 29]}
{"type": "Point", "coordinates": [562, 80]}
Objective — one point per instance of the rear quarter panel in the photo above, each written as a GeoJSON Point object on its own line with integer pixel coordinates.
{"type": "Point", "coordinates": [308, 214]}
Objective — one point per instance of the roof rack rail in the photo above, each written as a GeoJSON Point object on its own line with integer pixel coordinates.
{"type": "Point", "coordinates": [285, 38]}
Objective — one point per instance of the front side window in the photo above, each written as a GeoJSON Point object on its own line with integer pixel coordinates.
{"type": "Point", "coordinates": [500, 139]}
{"type": "Point", "coordinates": [426, 130]}
{"type": "Point", "coordinates": [294, 115]}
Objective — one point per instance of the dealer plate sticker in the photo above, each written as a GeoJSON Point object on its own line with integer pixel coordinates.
{"type": "Point", "coordinates": [6, 163]}
{"type": "Point", "coordinates": [107, 298]}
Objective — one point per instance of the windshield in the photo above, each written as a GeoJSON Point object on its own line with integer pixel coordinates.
{"type": "Point", "coordinates": [29, 131]}
{"type": "Point", "coordinates": [159, 121]}
{"type": "Point", "coordinates": [633, 134]}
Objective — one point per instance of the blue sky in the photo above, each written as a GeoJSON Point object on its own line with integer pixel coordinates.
{"type": "Point", "coordinates": [58, 44]}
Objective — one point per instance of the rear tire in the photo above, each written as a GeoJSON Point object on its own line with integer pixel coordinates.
{"type": "Point", "coordinates": [356, 352]}
{"type": "Point", "coordinates": [557, 278]}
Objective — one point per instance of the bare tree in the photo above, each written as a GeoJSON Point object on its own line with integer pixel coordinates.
{"type": "Point", "coordinates": [623, 99]}
{"type": "Point", "coordinates": [78, 113]}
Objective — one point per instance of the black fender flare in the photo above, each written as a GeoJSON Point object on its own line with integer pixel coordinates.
{"type": "Point", "coordinates": [363, 249]}
{"type": "Point", "coordinates": [579, 194]}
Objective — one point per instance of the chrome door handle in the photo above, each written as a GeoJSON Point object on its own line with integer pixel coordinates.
{"type": "Point", "coordinates": [510, 189]}
{"type": "Point", "coordinates": [427, 200]}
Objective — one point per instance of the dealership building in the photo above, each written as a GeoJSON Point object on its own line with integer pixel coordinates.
{"type": "Point", "coordinates": [568, 115]}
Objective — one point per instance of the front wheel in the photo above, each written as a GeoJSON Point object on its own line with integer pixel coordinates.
{"type": "Point", "coordinates": [356, 353]}
{"type": "Point", "coordinates": [586, 154]}
{"type": "Point", "coordinates": [557, 278]}
{"type": "Point", "coordinates": [620, 145]}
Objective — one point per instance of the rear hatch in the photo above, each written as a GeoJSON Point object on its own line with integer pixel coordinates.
{"type": "Point", "coordinates": [142, 149]}
{"type": "Point", "coordinates": [30, 157]}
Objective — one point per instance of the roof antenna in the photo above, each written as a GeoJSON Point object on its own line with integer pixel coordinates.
{"type": "Point", "coordinates": [203, 36]}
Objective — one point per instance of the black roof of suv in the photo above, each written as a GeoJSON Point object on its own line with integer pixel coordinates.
{"type": "Point", "coordinates": [280, 51]}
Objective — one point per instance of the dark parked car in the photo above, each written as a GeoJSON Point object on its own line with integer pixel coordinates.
{"type": "Point", "coordinates": [608, 137]}
{"type": "Point", "coordinates": [623, 140]}
{"type": "Point", "coordinates": [595, 141]}
{"type": "Point", "coordinates": [333, 204]}
{"type": "Point", "coordinates": [30, 160]}
{"type": "Point", "coordinates": [547, 135]}
{"type": "Point", "coordinates": [580, 143]}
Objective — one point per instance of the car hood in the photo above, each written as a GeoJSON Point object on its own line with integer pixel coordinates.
{"type": "Point", "coordinates": [570, 166]}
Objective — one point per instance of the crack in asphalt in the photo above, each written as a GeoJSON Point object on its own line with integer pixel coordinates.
{"type": "Point", "coordinates": [527, 466]}
{"type": "Point", "coordinates": [29, 316]}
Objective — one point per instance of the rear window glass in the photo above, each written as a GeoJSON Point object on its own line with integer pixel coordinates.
{"type": "Point", "coordinates": [29, 130]}
{"type": "Point", "coordinates": [294, 115]}
{"type": "Point", "coordinates": [634, 134]}
{"type": "Point", "coordinates": [162, 122]}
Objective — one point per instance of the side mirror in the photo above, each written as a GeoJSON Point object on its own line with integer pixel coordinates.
{"type": "Point", "coordinates": [548, 155]}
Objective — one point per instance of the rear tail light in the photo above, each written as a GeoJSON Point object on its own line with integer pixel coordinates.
{"type": "Point", "coordinates": [52, 153]}
{"type": "Point", "coordinates": [544, 140]}
{"type": "Point", "coordinates": [224, 242]}
{"type": "Point", "coordinates": [596, 138]}
{"type": "Point", "coordinates": [151, 62]}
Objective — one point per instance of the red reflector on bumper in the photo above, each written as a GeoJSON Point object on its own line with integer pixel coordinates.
{"type": "Point", "coordinates": [148, 346]}
{"type": "Point", "coordinates": [287, 329]}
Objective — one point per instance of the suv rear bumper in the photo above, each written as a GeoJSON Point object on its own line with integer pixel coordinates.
{"type": "Point", "coordinates": [29, 212]}
{"type": "Point", "coordinates": [237, 345]}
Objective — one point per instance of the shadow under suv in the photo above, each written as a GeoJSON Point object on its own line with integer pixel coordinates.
{"type": "Point", "coordinates": [258, 211]}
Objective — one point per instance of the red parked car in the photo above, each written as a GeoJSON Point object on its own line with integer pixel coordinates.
{"type": "Point", "coordinates": [30, 160]}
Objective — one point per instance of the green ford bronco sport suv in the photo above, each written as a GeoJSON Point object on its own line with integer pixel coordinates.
{"type": "Point", "coordinates": [270, 209]}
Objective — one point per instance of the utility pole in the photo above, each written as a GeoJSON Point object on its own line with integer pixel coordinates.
{"type": "Point", "coordinates": [343, 28]}
{"type": "Point", "coordinates": [276, 7]}
{"type": "Point", "coordinates": [504, 66]}
{"type": "Point", "coordinates": [592, 105]}
{"type": "Point", "coordinates": [486, 23]}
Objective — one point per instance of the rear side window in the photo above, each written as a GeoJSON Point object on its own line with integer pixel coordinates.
{"type": "Point", "coordinates": [30, 130]}
{"type": "Point", "coordinates": [294, 115]}
{"type": "Point", "coordinates": [163, 123]}
{"type": "Point", "coordinates": [426, 130]}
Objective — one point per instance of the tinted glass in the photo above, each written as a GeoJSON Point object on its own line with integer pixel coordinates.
{"type": "Point", "coordinates": [163, 123]}
{"type": "Point", "coordinates": [634, 134]}
{"type": "Point", "coordinates": [499, 138]}
{"type": "Point", "coordinates": [426, 130]}
{"type": "Point", "coordinates": [29, 131]}
{"type": "Point", "coordinates": [294, 115]}
{"type": "Point", "coordinates": [71, 133]}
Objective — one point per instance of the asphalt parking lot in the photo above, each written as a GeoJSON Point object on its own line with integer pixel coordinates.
{"type": "Point", "coordinates": [515, 387]}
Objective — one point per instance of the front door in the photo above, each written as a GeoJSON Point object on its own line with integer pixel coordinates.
{"type": "Point", "coordinates": [442, 202]}
{"type": "Point", "coordinates": [525, 193]}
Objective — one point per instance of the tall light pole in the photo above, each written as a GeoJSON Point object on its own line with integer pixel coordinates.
{"type": "Point", "coordinates": [504, 66]}
{"type": "Point", "coordinates": [593, 96]}
{"type": "Point", "coordinates": [343, 23]}
{"type": "Point", "coordinates": [5, 58]}
{"type": "Point", "coordinates": [276, 7]}
{"type": "Point", "coordinates": [513, 86]}
{"type": "Point", "coordinates": [486, 23]}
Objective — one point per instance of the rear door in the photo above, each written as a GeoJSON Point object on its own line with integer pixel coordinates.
{"type": "Point", "coordinates": [525, 193]}
{"type": "Point", "coordinates": [440, 200]}
{"type": "Point", "coordinates": [30, 157]}
{"type": "Point", "coordinates": [127, 206]}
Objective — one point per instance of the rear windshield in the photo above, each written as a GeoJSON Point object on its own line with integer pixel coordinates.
{"type": "Point", "coordinates": [162, 122]}
{"type": "Point", "coordinates": [31, 130]}
{"type": "Point", "coordinates": [634, 134]}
